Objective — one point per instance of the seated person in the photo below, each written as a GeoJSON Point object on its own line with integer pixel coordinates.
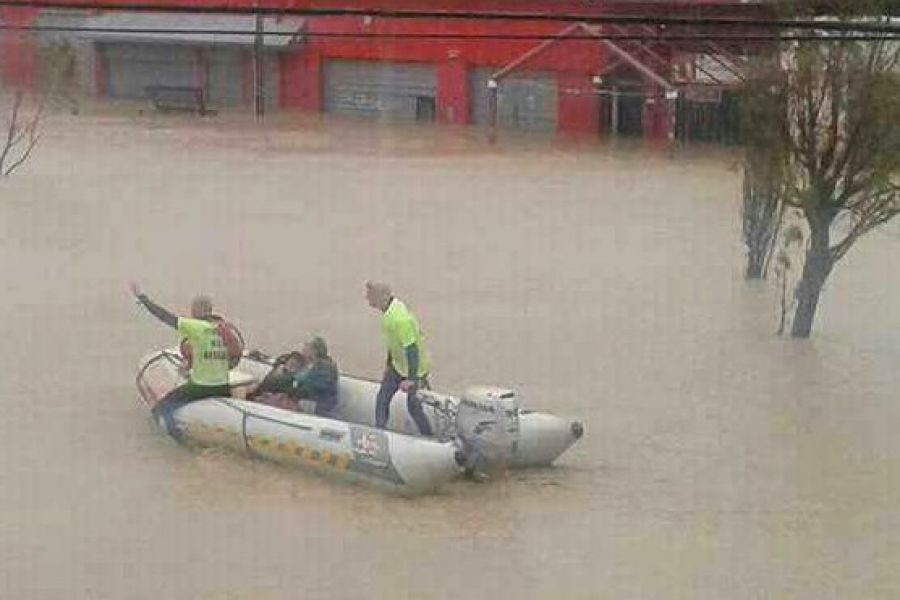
{"type": "Point", "coordinates": [308, 375]}
{"type": "Point", "coordinates": [276, 387]}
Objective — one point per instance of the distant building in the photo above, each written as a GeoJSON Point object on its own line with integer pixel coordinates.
{"type": "Point", "coordinates": [548, 76]}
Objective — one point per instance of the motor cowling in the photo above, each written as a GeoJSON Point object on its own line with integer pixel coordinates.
{"type": "Point", "coordinates": [487, 423]}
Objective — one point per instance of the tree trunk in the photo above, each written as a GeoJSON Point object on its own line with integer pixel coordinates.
{"type": "Point", "coordinates": [815, 272]}
{"type": "Point", "coordinates": [761, 216]}
{"type": "Point", "coordinates": [756, 262]}
{"type": "Point", "coordinates": [784, 304]}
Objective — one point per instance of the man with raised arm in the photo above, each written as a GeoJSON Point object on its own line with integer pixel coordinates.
{"type": "Point", "coordinates": [209, 365]}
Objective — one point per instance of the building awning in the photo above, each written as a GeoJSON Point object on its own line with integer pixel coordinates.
{"type": "Point", "coordinates": [180, 28]}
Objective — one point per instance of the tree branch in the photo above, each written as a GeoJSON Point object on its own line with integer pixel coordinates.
{"type": "Point", "coordinates": [16, 136]}
{"type": "Point", "coordinates": [11, 130]}
{"type": "Point", "coordinates": [31, 144]}
{"type": "Point", "coordinates": [807, 130]}
{"type": "Point", "coordinates": [837, 97]}
{"type": "Point", "coordinates": [883, 205]}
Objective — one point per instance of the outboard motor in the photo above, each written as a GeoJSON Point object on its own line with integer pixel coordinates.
{"type": "Point", "coordinates": [487, 423]}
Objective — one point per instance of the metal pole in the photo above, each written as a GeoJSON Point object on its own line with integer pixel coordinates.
{"type": "Point", "coordinates": [506, 70]}
{"type": "Point", "coordinates": [597, 82]}
{"type": "Point", "coordinates": [614, 117]}
{"type": "Point", "coordinates": [672, 114]}
{"type": "Point", "coordinates": [492, 110]}
{"type": "Point", "coordinates": [259, 98]}
{"type": "Point", "coordinates": [630, 59]}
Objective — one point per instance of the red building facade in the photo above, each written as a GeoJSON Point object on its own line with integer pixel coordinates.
{"type": "Point", "coordinates": [574, 63]}
{"type": "Point", "coordinates": [549, 74]}
{"type": "Point", "coordinates": [18, 50]}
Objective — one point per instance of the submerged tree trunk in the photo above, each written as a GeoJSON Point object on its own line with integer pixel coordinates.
{"type": "Point", "coordinates": [784, 303]}
{"type": "Point", "coordinates": [816, 270]}
{"type": "Point", "coordinates": [761, 214]}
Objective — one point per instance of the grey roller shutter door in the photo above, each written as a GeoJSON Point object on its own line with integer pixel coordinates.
{"type": "Point", "coordinates": [225, 79]}
{"type": "Point", "coordinates": [526, 102]}
{"type": "Point", "coordinates": [390, 91]}
{"type": "Point", "coordinates": [133, 67]}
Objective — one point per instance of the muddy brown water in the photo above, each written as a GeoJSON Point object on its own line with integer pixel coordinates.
{"type": "Point", "coordinates": [603, 283]}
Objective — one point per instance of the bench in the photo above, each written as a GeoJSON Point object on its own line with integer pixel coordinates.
{"type": "Point", "coordinates": [167, 98]}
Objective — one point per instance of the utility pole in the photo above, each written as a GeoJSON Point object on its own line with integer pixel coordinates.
{"type": "Point", "coordinates": [259, 98]}
{"type": "Point", "coordinates": [614, 112]}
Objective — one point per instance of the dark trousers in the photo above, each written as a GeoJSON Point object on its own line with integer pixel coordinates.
{"type": "Point", "coordinates": [185, 394]}
{"type": "Point", "coordinates": [389, 386]}
{"type": "Point", "coordinates": [325, 406]}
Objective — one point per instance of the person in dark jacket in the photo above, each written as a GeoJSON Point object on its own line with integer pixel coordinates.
{"type": "Point", "coordinates": [308, 375]}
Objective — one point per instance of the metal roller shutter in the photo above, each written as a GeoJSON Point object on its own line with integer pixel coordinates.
{"type": "Point", "coordinates": [133, 67]}
{"type": "Point", "coordinates": [390, 91]}
{"type": "Point", "coordinates": [225, 80]}
{"type": "Point", "coordinates": [526, 102]}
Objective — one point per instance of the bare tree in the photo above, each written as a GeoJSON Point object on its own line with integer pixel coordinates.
{"type": "Point", "coordinates": [22, 134]}
{"type": "Point", "coordinates": [762, 211]}
{"type": "Point", "coordinates": [829, 111]}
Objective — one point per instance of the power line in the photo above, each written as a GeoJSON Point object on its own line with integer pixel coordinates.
{"type": "Point", "coordinates": [227, 7]}
{"type": "Point", "coordinates": [461, 37]}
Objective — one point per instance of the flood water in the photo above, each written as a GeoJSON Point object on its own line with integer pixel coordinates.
{"type": "Point", "coordinates": [603, 283]}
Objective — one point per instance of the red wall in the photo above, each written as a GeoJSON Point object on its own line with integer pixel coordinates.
{"type": "Point", "coordinates": [575, 55]}
{"type": "Point", "coordinates": [18, 52]}
{"type": "Point", "coordinates": [301, 80]}
{"type": "Point", "coordinates": [579, 105]}
{"type": "Point", "coordinates": [573, 61]}
{"type": "Point", "coordinates": [453, 91]}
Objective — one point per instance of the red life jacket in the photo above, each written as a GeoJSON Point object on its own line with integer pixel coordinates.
{"type": "Point", "coordinates": [231, 339]}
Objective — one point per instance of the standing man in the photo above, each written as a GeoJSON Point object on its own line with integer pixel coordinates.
{"type": "Point", "coordinates": [208, 375]}
{"type": "Point", "coordinates": [407, 365]}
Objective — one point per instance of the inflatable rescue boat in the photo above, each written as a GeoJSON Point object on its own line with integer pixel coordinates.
{"type": "Point", "coordinates": [483, 431]}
